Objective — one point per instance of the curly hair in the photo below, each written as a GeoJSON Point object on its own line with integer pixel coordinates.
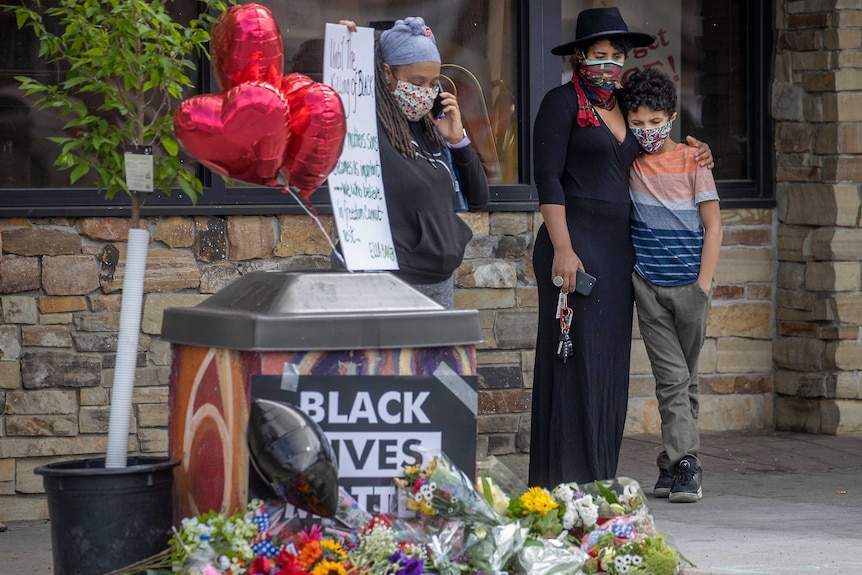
{"type": "Point", "coordinates": [650, 88]}
{"type": "Point", "coordinates": [620, 44]}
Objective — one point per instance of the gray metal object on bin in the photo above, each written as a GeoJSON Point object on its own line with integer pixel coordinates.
{"type": "Point", "coordinates": [320, 310]}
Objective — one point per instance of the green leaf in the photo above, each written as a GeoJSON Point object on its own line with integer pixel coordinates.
{"type": "Point", "coordinates": [74, 81]}
{"type": "Point", "coordinates": [102, 47]}
{"type": "Point", "coordinates": [79, 172]}
{"type": "Point", "coordinates": [171, 147]}
{"type": "Point", "coordinates": [609, 495]}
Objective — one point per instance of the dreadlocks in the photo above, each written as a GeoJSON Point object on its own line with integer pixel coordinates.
{"type": "Point", "coordinates": [391, 116]}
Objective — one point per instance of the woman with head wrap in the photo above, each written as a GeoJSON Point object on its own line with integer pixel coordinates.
{"type": "Point", "coordinates": [418, 179]}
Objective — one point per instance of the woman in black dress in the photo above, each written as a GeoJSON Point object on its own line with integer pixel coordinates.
{"type": "Point", "coordinates": [583, 154]}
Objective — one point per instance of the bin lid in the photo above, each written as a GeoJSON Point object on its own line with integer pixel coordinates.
{"type": "Point", "coordinates": [319, 310]}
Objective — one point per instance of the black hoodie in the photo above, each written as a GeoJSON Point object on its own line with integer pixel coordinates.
{"type": "Point", "coordinates": [429, 236]}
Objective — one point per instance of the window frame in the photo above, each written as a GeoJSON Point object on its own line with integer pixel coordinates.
{"type": "Point", "coordinates": [538, 71]}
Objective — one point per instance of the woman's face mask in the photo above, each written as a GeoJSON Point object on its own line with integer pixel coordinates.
{"type": "Point", "coordinates": [652, 139]}
{"type": "Point", "coordinates": [602, 73]}
{"type": "Point", "coordinates": [415, 101]}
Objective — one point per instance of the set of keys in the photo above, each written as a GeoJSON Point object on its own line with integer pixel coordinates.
{"type": "Point", "coordinates": [565, 349]}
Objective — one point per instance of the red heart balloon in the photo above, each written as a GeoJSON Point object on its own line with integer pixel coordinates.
{"type": "Point", "coordinates": [293, 82]}
{"type": "Point", "coordinates": [241, 134]}
{"type": "Point", "coordinates": [317, 130]}
{"type": "Point", "coordinates": [247, 46]}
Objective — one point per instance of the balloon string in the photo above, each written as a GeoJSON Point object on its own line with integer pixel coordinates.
{"type": "Point", "coordinates": [313, 216]}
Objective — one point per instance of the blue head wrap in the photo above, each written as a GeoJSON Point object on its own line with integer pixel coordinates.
{"type": "Point", "coordinates": [407, 42]}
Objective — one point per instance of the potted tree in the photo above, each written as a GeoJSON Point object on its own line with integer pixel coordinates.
{"type": "Point", "coordinates": [132, 62]}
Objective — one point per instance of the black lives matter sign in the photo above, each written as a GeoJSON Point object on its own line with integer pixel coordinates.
{"type": "Point", "coordinates": [376, 424]}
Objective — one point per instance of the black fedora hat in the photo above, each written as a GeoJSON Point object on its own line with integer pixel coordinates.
{"type": "Point", "coordinates": [596, 23]}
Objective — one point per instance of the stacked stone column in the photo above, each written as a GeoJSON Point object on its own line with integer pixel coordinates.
{"type": "Point", "coordinates": [817, 108]}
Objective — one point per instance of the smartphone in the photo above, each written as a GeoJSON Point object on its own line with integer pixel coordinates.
{"type": "Point", "coordinates": [584, 283]}
{"type": "Point", "coordinates": [437, 108]}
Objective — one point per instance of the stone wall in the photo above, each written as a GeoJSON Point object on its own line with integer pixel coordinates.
{"type": "Point", "coordinates": [59, 303]}
{"type": "Point", "coordinates": [817, 108]}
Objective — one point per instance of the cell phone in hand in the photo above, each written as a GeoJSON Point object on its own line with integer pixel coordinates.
{"type": "Point", "coordinates": [437, 108]}
{"type": "Point", "coordinates": [584, 283]}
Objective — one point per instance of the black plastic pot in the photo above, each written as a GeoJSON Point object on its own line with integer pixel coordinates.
{"type": "Point", "coordinates": [105, 519]}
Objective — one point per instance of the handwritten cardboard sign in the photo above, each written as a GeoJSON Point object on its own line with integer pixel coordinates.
{"type": "Point", "coordinates": [356, 185]}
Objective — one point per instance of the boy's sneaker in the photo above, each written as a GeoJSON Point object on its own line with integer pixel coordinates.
{"type": "Point", "coordinates": [686, 484]}
{"type": "Point", "coordinates": [663, 485]}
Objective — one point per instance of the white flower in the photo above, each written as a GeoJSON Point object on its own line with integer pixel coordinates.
{"type": "Point", "coordinates": [563, 493]}
{"type": "Point", "coordinates": [589, 515]}
{"type": "Point", "coordinates": [428, 494]}
{"type": "Point", "coordinates": [570, 518]}
{"type": "Point", "coordinates": [587, 510]}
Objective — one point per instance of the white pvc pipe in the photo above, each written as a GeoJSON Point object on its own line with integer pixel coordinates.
{"type": "Point", "coordinates": [127, 348]}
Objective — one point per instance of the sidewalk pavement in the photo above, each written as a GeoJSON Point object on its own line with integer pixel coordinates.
{"type": "Point", "coordinates": [773, 504]}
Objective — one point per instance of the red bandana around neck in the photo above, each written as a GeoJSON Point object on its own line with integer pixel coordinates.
{"type": "Point", "coordinates": [590, 95]}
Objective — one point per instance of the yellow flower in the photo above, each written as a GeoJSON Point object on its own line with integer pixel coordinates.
{"type": "Point", "coordinates": [328, 568]}
{"type": "Point", "coordinates": [426, 507]}
{"type": "Point", "coordinates": [538, 500]}
{"type": "Point", "coordinates": [334, 546]}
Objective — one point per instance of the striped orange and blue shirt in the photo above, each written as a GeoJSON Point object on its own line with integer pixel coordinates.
{"type": "Point", "coordinates": [667, 231]}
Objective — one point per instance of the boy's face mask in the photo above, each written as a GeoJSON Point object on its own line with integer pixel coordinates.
{"type": "Point", "coordinates": [652, 139]}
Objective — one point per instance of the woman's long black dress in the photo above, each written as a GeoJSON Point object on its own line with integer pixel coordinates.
{"type": "Point", "coordinates": [579, 408]}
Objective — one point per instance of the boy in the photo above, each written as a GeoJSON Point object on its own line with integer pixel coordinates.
{"type": "Point", "coordinates": [676, 231]}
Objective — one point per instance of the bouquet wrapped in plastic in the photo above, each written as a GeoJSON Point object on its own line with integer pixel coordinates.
{"type": "Point", "coordinates": [441, 490]}
{"type": "Point", "coordinates": [462, 530]}
{"type": "Point", "coordinates": [532, 507]}
{"type": "Point", "coordinates": [621, 496]}
{"type": "Point", "coordinates": [546, 550]}
{"type": "Point", "coordinates": [386, 547]}
{"type": "Point", "coordinates": [617, 548]}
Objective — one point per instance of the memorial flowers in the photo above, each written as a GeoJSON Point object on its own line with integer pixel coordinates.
{"type": "Point", "coordinates": [440, 525]}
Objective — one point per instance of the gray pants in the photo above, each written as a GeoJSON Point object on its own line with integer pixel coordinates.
{"type": "Point", "coordinates": [441, 292]}
{"type": "Point", "coordinates": [673, 326]}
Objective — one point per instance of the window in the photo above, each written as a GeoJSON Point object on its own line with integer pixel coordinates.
{"type": "Point", "coordinates": [478, 45]}
{"type": "Point", "coordinates": [496, 53]}
{"type": "Point", "coordinates": [716, 53]}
